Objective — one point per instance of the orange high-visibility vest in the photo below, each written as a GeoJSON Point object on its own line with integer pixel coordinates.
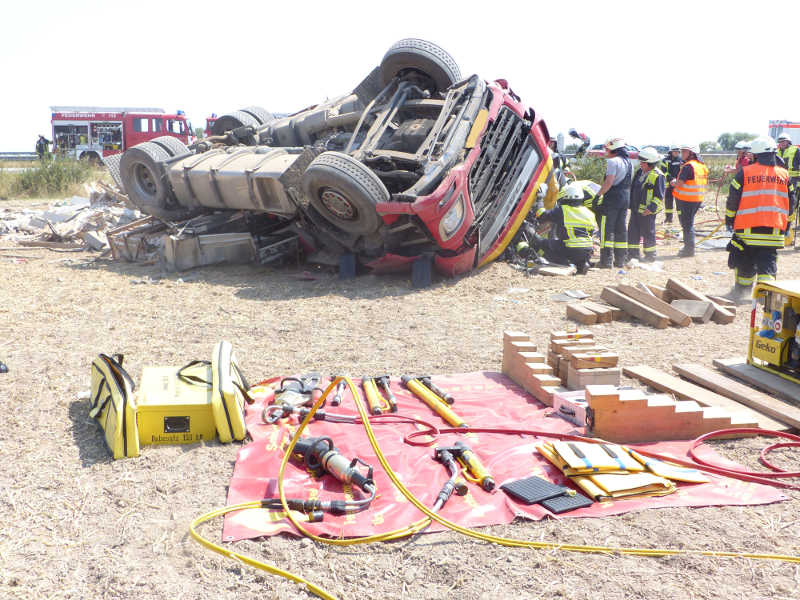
{"type": "Point", "coordinates": [693, 190]}
{"type": "Point", "coordinates": [765, 198]}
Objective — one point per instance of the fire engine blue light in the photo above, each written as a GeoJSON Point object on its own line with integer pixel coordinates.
{"type": "Point", "coordinates": [180, 112]}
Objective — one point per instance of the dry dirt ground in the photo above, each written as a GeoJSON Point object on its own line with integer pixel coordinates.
{"type": "Point", "coordinates": [76, 524]}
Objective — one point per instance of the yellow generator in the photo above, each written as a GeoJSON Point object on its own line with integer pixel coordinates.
{"type": "Point", "coordinates": [774, 337]}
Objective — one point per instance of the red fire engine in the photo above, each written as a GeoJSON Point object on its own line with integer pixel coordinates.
{"type": "Point", "coordinates": [91, 132]}
{"type": "Point", "coordinates": [792, 128]}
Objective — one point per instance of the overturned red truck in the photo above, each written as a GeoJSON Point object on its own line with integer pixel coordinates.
{"type": "Point", "coordinates": [416, 164]}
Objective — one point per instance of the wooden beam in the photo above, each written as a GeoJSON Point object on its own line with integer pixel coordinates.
{"type": "Point", "coordinates": [681, 290]}
{"type": "Point", "coordinates": [716, 382]}
{"type": "Point", "coordinates": [665, 382]}
{"type": "Point", "coordinates": [634, 308]}
{"type": "Point", "coordinates": [605, 314]}
{"type": "Point", "coordinates": [659, 292]}
{"type": "Point", "coordinates": [675, 315]}
{"type": "Point", "coordinates": [764, 380]}
{"type": "Point", "coordinates": [584, 316]}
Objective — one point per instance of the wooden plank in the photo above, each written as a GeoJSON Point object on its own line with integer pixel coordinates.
{"type": "Point", "coordinates": [699, 311]}
{"type": "Point", "coordinates": [716, 382]}
{"type": "Point", "coordinates": [557, 271]}
{"type": "Point", "coordinates": [594, 360]}
{"type": "Point", "coordinates": [584, 316]}
{"type": "Point", "coordinates": [675, 315]}
{"type": "Point", "coordinates": [665, 382]}
{"type": "Point", "coordinates": [635, 309]}
{"type": "Point", "coordinates": [764, 380]}
{"type": "Point", "coordinates": [659, 292]}
{"type": "Point", "coordinates": [616, 313]}
{"type": "Point", "coordinates": [729, 304]}
{"type": "Point", "coordinates": [681, 290]}
{"type": "Point", "coordinates": [604, 313]}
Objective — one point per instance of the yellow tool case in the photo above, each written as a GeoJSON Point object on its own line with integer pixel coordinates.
{"type": "Point", "coordinates": [113, 405]}
{"type": "Point", "coordinates": [174, 405]}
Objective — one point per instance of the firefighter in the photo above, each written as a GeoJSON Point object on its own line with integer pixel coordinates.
{"type": "Point", "coordinates": [743, 156]}
{"type": "Point", "coordinates": [574, 225]}
{"type": "Point", "coordinates": [759, 203]}
{"type": "Point", "coordinates": [790, 156]}
{"type": "Point", "coordinates": [647, 200]}
{"type": "Point", "coordinates": [559, 161]}
{"type": "Point", "coordinates": [43, 147]}
{"type": "Point", "coordinates": [670, 167]}
{"type": "Point", "coordinates": [689, 190]}
{"type": "Point", "coordinates": [590, 189]}
{"type": "Point", "coordinates": [612, 206]}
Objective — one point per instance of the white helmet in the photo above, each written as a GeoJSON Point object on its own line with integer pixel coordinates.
{"type": "Point", "coordinates": [692, 148]}
{"type": "Point", "coordinates": [762, 145]}
{"type": "Point", "coordinates": [674, 147]}
{"type": "Point", "coordinates": [614, 143]}
{"type": "Point", "coordinates": [742, 145]}
{"type": "Point", "coordinates": [784, 137]}
{"type": "Point", "coordinates": [649, 155]}
{"type": "Point", "coordinates": [573, 191]}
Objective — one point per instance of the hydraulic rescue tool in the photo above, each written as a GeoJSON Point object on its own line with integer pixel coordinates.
{"type": "Point", "coordinates": [337, 397]}
{"type": "Point", "coordinates": [383, 383]}
{"type": "Point", "coordinates": [320, 456]}
{"type": "Point", "coordinates": [377, 403]}
{"type": "Point", "coordinates": [446, 396]}
{"type": "Point", "coordinates": [293, 393]}
{"type": "Point", "coordinates": [436, 403]}
{"type": "Point", "coordinates": [470, 461]}
{"type": "Point", "coordinates": [454, 484]}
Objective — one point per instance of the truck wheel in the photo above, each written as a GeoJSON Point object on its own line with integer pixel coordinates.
{"type": "Point", "coordinates": [259, 114]}
{"type": "Point", "coordinates": [146, 184]}
{"type": "Point", "coordinates": [425, 57]}
{"type": "Point", "coordinates": [237, 118]}
{"type": "Point", "coordinates": [172, 145]}
{"type": "Point", "coordinates": [345, 192]}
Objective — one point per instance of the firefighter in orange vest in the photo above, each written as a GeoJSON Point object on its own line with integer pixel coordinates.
{"type": "Point", "coordinates": [760, 201]}
{"type": "Point", "coordinates": [689, 189]}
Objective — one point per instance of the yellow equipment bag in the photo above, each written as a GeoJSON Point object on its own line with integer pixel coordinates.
{"type": "Point", "coordinates": [579, 458]}
{"type": "Point", "coordinates": [113, 405]}
{"type": "Point", "coordinates": [228, 394]}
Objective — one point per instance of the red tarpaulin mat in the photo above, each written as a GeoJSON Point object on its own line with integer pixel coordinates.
{"type": "Point", "coordinates": [483, 399]}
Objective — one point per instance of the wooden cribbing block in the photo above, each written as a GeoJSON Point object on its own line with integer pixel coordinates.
{"type": "Point", "coordinates": [635, 309]}
{"type": "Point", "coordinates": [545, 394]}
{"type": "Point", "coordinates": [515, 336]}
{"type": "Point", "coordinates": [681, 290]}
{"type": "Point", "coordinates": [659, 292]}
{"type": "Point", "coordinates": [539, 368]}
{"type": "Point", "coordinates": [602, 395]}
{"type": "Point", "coordinates": [577, 312]}
{"type": "Point", "coordinates": [511, 350]}
{"type": "Point", "coordinates": [580, 334]}
{"type": "Point", "coordinates": [605, 314]}
{"type": "Point", "coordinates": [676, 316]}
{"type": "Point", "coordinates": [557, 345]}
{"type": "Point", "coordinates": [763, 403]}
{"type": "Point", "coordinates": [569, 351]}
{"type": "Point", "coordinates": [593, 361]}
{"type": "Point", "coordinates": [683, 389]}
{"type": "Point", "coordinates": [579, 378]}
{"type": "Point", "coordinates": [722, 301]}
{"type": "Point", "coordinates": [544, 380]}
{"type": "Point", "coordinates": [698, 310]}
{"type": "Point", "coordinates": [531, 357]}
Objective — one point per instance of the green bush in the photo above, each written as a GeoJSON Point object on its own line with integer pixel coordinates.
{"type": "Point", "coordinates": [47, 179]}
{"type": "Point", "coordinates": [590, 168]}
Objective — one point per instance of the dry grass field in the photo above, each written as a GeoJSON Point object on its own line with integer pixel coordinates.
{"type": "Point", "coordinates": [76, 524]}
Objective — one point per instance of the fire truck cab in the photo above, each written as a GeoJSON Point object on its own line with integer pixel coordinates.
{"type": "Point", "coordinates": [791, 128]}
{"type": "Point", "coordinates": [92, 132]}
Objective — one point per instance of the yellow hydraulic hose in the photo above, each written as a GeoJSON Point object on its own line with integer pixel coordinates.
{"type": "Point", "coordinates": [419, 525]}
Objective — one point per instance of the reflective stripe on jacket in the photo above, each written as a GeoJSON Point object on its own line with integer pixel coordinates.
{"type": "Point", "coordinates": [789, 157]}
{"type": "Point", "coordinates": [579, 223]}
{"type": "Point", "coordinates": [693, 190]}
{"type": "Point", "coordinates": [652, 201]}
{"type": "Point", "coordinates": [764, 203]}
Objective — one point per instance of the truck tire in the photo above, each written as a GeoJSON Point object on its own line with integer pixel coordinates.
{"type": "Point", "coordinates": [172, 145]}
{"type": "Point", "coordinates": [146, 184]}
{"type": "Point", "coordinates": [345, 192]}
{"type": "Point", "coordinates": [261, 115]}
{"type": "Point", "coordinates": [423, 56]}
{"type": "Point", "coordinates": [237, 118]}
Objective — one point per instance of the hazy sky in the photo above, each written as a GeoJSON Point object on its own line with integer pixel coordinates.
{"type": "Point", "coordinates": [654, 72]}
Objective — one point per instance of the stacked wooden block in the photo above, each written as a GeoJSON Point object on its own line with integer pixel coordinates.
{"type": "Point", "coordinates": [527, 367]}
{"type": "Point", "coordinates": [578, 360]}
{"type": "Point", "coordinates": [630, 416]}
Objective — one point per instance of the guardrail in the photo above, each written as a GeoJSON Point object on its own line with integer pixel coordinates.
{"type": "Point", "coordinates": [18, 156]}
